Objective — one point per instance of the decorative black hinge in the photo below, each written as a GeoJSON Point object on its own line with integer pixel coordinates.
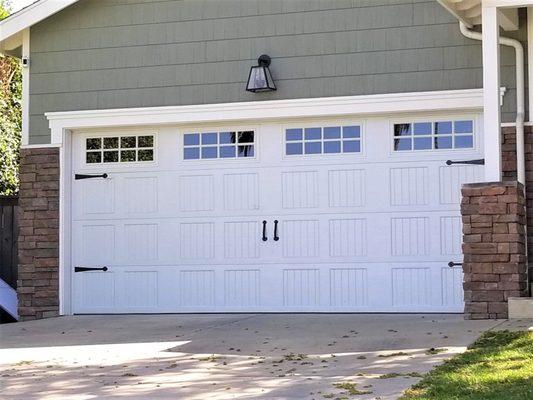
{"type": "Point", "coordinates": [83, 269]}
{"type": "Point", "coordinates": [85, 176]}
{"type": "Point", "coordinates": [480, 161]}
{"type": "Point", "coordinates": [452, 264]}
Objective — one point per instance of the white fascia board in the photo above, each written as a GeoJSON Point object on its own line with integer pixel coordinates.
{"type": "Point", "coordinates": [507, 3]}
{"type": "Point", "coordinates": [31, 15]}
{"type": "Point", "coordinates": [469, 99]}
{"type": "Point", "coordinates": [452, 10]}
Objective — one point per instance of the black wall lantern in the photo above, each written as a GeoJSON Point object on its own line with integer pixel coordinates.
{"type": "Point", "coordinates": [260, 79]}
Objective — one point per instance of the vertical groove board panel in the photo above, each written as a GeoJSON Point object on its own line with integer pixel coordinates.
{"type": "Point", "coordinates": [347, 237]}
{"type": "Point", "coordinates": [452, 177]}
{"type": "Point", "coordinates": [98, 244]}
{"type": "Point", "coordinates": [410, 287]}
{"type": "Point", "coordinates": [140, 195]}
{"type": "Point", "coordinates": [197, 288]}
{"type": "Point", "coordinates": [141, 242]}
{"type": "Point", "coordinates": [346, 188]}
{"type": "Point", "coordinates": [410, 236]}
{"type": "Point", "coordinates": [98, 290]}
{"type": "Point", "coordinates": [140, 289]}
{"type": "Point", "coordinates": [197, 240]}
{"type": "Point", "coordinates": [452, 286]}
{"type": "Point", "coordinates": [348, 287]}
{"type": "Point", "coordinates": [300, 287]}
{"type": "Point", "coordinates": [196, 193]}
{"type": "Point", "coordinates": [409, 186]}
{"type": "Point", "coordinates": [300, 238]}
{"type": "Point", "coordinates": [450, 235]}
{"type": "Point", "coordinates": [241, 239]}
{"type": "Point", "coordinates": [300, 189]}
{"type": "Point", "coordinates": [242, 288]}
{"type": "Point", "coordinates": [241, 192]}
{"type": "Point", "coordinates": [98, 196]}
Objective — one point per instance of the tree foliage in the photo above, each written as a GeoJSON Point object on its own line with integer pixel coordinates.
{"type": "Point", "coordinates": [10, 117]}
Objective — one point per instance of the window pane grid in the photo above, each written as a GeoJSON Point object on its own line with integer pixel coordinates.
{"type": "Point", "coordinates": [212, 145]}
{"type": "Point", "coordinates": [323, 140]}
{"type": "Point", "coordinates": [435, 135]}
{"type": "Point", "coordinates": [115, 149]}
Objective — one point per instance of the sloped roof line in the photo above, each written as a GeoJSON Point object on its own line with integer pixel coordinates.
{"type": "Point", "coordinates": [13, 25]}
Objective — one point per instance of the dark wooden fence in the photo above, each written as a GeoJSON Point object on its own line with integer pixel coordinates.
{"type": "Point", "coordinates": [8, 239]}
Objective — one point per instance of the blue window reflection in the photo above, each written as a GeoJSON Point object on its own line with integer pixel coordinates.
{"type": "Point", "coordinates": [422, 143]}
{"type": "Point", "coordinates": [443, 142]}
{"type": "Point", "coordinates": [209, 152]}
{"type": "Point", "coordinates": [464, 127]}
{"type": "Point", "coordinates": [332, 132]}
{"type": "Point", "coordinates": [313, 148]}
{"type": "Point", "coordinates": [192, 153]}
{"type": "Point", "coordinates": [464, 142]}
{"type": "Point", "coordinates": [191, 139]}
{"type": "Point", "coordinates": [227, 137]}
{"type": "Point", "coordinates": [227, 151]}
{"type": "Point", "coordinates": [313, 133]}
{"type": "Point", "coordinates": [332, 147]}
{"type": "Point", "coordinates": [402, 144]}
{"type": "Point", "coordinates": [293, 148]}
{"type": "Point", "coordinates": [294, 134]}
{"type": "Point", "coordinates": [209, 138]}
{"type": "Point", "coordinates": [422, 128]}
{"type": "Point", "coordinates": [351, 132]}
{"type": "Point", "coordinates": [443, 128]}
{"type": "Point", "coordinates": [351, 146]}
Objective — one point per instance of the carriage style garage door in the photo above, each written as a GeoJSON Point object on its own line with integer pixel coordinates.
{"type": "Point", "coordinates": [319, 215]}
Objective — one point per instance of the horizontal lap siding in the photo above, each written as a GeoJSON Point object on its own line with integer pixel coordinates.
{"type": "Point", "coordinates": [102, 54]}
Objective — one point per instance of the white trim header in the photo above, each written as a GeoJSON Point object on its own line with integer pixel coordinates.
{"type": "Point", "coordinates": [470, 99]}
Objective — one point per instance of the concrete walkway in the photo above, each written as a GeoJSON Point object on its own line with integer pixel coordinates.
{"type": "Point", "coordinates": [243, 356]}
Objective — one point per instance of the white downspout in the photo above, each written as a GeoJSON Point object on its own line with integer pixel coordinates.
{"type": "Point", "coordinates": [520, 93]}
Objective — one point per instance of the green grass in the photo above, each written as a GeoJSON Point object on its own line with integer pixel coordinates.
{"type": "Point", "coordinates": [498, 366]}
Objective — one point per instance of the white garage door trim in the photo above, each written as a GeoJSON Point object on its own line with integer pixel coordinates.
{"type": "Point", "coordinates": [62, 124]}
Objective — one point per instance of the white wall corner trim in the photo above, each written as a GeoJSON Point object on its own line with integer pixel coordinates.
{"type": "Point", "coordinates": [26, 88]}
{"type": "Point", "coordinates": [449, 100]}
{"type": "Point", "coordinates": [530, 57]}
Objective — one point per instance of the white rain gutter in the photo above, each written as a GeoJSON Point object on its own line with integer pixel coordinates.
{"type": "Point", "coordinates": [520, 93]}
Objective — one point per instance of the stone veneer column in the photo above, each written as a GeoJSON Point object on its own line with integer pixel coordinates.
{"type": "Point", "coordinates": [38, 246]}
{"type": "Point", "coordinates": [494, 264]}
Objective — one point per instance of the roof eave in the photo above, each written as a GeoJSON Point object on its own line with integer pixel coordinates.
{"type": "Point", "coordinates": [12, 27]}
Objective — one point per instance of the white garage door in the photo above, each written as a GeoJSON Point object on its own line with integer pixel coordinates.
{"type": "Point", "coordinates": [330, 215]}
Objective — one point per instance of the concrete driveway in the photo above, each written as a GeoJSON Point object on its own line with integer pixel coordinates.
{"type": "Point", "coordinates": [241, 356]}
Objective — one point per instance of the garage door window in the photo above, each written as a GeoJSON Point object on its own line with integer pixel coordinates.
{"type": "Point", "coordinates": [436, 135]}
{"type": "Point", "coordinates": [119, 149]}
{"type": "Point", "coordinates": [323, 140]}
{"type": "Point", "coordinates": [212, 145]}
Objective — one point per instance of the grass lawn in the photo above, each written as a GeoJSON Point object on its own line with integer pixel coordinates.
{"type": "Point", "coordinates": [498, 366]}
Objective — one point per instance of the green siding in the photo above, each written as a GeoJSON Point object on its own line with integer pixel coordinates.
{"type": "Point", "coordinates": [100, 54]}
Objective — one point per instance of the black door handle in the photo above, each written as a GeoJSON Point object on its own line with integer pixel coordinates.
{"type": "Point", "coordinates": [87, 176]}
{"type": "Point", "coordinates": [452, 264]}
{"type": "Point", "coordinates": [83, 269]}
{"type": "Point", "coordinates": [467, 162]}
{"type": "Point", "coordinates": [265, 231]}
{"type": "Point", "coordinates": [276, 237]}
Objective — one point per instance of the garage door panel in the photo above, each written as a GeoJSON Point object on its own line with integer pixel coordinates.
{"type": "Point", "coordinates": [241, 191]}
{"type": "Point", "coordinates": [347, 188]}
{"type": "Point", "coordinates": [242, 288]}
{"type": "Point", "coordinates": [371, 231]}
{"type": "Point", "coordinates": [452, 177]}
{"type": "Point", "coordinates": [348, 288]}
{"type": "Point", "coordinates": [139, 195]}
{"type": "Point", "coordinates": [409, 186]}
